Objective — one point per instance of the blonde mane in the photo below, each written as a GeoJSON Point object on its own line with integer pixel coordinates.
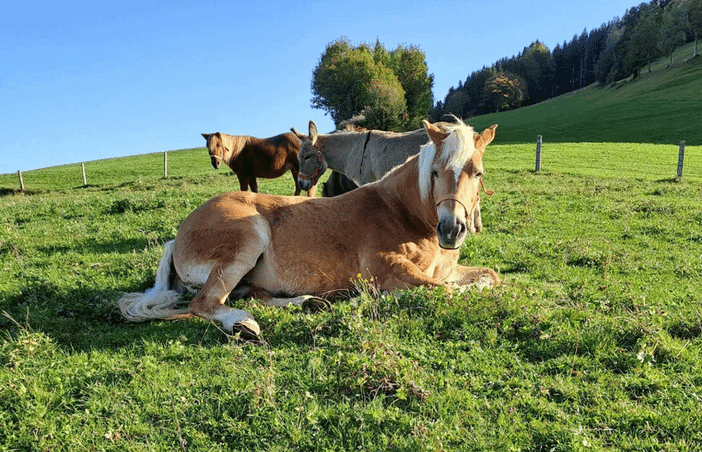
{"type": "Point", "coordinates": [234, 145]}
{"type": "Point", "coordinates": [456, 150]}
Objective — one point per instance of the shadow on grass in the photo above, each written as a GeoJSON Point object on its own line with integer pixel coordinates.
{"type": "Point", "coordinates": [82, 320]}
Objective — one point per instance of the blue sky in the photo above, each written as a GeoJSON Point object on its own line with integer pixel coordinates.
{"type": "Point", "coordinates": [86, 81]}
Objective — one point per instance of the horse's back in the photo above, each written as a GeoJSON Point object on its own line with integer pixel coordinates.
{"type": "Point", "coordinates": [271, 157]}
{"type": "Point", "coordinates": [390, 149]}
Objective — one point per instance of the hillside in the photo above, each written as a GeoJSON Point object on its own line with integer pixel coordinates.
{"type": "Point", "coordinates": [661, 107]}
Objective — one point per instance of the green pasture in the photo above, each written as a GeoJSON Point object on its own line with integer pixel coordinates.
{"type": "Point", "coordinates": [592, 342]}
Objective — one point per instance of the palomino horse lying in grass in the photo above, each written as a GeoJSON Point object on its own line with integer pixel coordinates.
{"type": "Point", "coordinates": [251, 157]}
{"type": "Point", "coordinates": [403, 231]}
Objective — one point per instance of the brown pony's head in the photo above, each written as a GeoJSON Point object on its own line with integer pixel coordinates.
{"type": "Point", "coordinates": [215, 146]}
{"type": "Point", "coordinates": [312, 161]}
{"type": "Point", "coordinates": [450, 171]}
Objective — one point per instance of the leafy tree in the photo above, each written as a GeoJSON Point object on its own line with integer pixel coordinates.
{"type": "Point", "coordinates": [392, 88]}
{"type": "Point", "coordinates": [410, 67]}
{"type": "Point", "coordinates": [503, 91]}
{"type": "Point", "coordinates": [341, 80]}
{"type": "Point", "coordinates": [386, 105]}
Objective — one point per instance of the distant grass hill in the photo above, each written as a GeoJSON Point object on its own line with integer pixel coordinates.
{"type": "Point", "coordinates": [662, 107]}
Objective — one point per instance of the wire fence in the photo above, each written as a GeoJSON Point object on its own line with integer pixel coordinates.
{"type": "Point", "coordinates": [630, 160]}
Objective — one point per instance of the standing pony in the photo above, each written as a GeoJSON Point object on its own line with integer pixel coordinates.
{"type": "Point", "coordinates": [403, 231]}
{"type": "Point", "coordinates": [251, 157]}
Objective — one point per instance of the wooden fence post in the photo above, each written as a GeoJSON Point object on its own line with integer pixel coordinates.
{"type": "Point", "coordinates": [537, 169]}
{"type": "Point", "coordinates": [19, 173]}
{"type": "Point", "coordinates": [85, 180]}
{"type": "Point", "coordinates": [681, 159]}
{"type": "Point", "coordinates": [165, 165]}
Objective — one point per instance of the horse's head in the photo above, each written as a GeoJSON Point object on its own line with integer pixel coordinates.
{"type": "Point", "coordinates": [215, 146]}
{"type": "Point", "coordinates": [312, 161]}
{"type": "Point", "coordinates": [450, 172]}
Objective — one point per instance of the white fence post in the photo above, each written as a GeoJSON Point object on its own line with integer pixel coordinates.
{"type": "Point", "coordinates": [538, 154]}
{"type": "Point", "coordinates": [19, 173]}
{"type": "Point", "coordinates": [165, 165]}
{"type": "Point", "coordinates": [85, 180]}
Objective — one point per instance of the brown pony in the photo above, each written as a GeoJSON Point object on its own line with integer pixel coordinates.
{"type": "Point", "coordinates": [251, 157]}
{"type": "Point", "coordinates": [404, 230]}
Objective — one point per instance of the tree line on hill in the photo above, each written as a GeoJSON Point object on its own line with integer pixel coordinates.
{"type": "Point", "coordinates": [611, 52]}
{"type": "Point", "coordinates": [392, 90]}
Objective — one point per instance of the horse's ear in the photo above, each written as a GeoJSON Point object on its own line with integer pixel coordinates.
{"type": "Point", "coordinates": [435, 134]}
{"type": "Point", "coordinates": [299, 135]}
{"type": "Point", "coordinates": [484, 138]}
{"type": "Point", "coordinates": [206, 136]}
{"type": "Point", "coordinates": [313, 132]}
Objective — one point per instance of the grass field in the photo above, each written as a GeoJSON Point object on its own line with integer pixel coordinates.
{"type": "Point", "coordinates": [591, 343]}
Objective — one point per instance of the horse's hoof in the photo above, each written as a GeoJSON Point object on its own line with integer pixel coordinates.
{"type": "Point", "coordinates": [315, 304]}
{"type": "Point", "coordinates": [248, 330]}
{"type": "Point", "coordinates": [487, 280]}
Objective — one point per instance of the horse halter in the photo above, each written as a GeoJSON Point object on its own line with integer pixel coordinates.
{"type": "Point", "coordinates": [317, 169]}
{"type": "Point", "coordinates": [453, 198]}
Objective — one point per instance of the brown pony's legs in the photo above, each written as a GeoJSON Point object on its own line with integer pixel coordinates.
{"type": "Point", "coordinates": [243, 182]}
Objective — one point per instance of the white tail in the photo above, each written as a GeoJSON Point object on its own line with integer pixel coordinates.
{"type": "Point", "coordinates": [158, 302]}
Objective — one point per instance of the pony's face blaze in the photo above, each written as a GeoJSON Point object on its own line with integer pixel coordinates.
{"type": "Point", "coordinates": [457, 196]}
{"type": "Point", "coordinates": [216, 148]}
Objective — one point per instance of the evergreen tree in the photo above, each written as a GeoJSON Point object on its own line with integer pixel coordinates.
{"type": "Point", "coordinates": [693, 9]}
{"type": "Point", "coordinates": [673, 27]}
{"type": "Point", "coordinates": [642, 47]}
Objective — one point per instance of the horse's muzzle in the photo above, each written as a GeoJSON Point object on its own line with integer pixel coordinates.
{"type": "Point", "coordinates": [451, 233]}
{"type": "Point", "coordinates": [215, 162]}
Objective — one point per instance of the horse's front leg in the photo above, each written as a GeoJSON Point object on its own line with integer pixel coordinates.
{"type": "Point", "coordinates": [398, 272]}
{"type": "Point", "coordinates": [254, 184]}
{"type": "Point", "coordinates": [478, 277]}
{"type": "Point", "coordinates": [243, 182]}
